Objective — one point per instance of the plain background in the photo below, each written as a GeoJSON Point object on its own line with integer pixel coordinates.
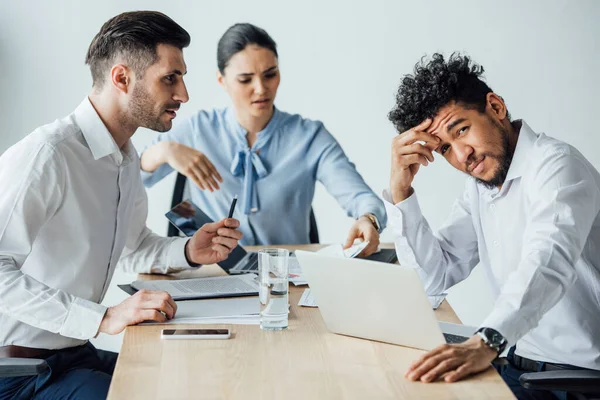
{"type": "Point", "coordinates": [341, 63]}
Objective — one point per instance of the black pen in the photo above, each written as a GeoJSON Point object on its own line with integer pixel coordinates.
{"type": "Point", "coordinates": [232, 208]}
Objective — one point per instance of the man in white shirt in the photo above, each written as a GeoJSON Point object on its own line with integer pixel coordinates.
{"type": "Point", "coordinates": [529, 215]}
{"type": "Point", "coordinates": [73, 207]}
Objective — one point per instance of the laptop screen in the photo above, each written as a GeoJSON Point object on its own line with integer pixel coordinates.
{"type": "Point", "coordinates": [188, 218]}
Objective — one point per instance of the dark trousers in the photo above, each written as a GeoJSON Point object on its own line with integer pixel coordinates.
{"type": "Point", "coordinates": [77, 373]}
{"type": "Point", "coordinates": [511, 374]}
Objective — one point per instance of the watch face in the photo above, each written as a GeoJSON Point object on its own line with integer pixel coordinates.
{"type": "Point", "coordinates": [493, 336]}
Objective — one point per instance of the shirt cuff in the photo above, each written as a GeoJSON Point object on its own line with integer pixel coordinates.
{"type": "Point", "coordinates": [511, 326]}
{"type": "Point", "coordinates": [406, 213]}
{"type": "Point", "coordinates": [83, 319]}
{"type": "Point", "coordinates": [176, 258]}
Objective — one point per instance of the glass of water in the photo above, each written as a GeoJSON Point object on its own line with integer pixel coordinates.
{"type": "Point", "coordinates": [273, 289]}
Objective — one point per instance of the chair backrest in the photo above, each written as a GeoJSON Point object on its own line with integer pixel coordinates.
{"type": "Point", "coordinates": [178, 194]}
{"type": "Point", "coordinates": [178, 191]}
{"type": "Point", "coordinates": [11, 367]}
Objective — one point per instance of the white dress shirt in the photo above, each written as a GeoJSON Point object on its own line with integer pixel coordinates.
{"type": "Point", "coordinates": [72, 207]}
{"type": "Point", "coordinates": [538, 239]}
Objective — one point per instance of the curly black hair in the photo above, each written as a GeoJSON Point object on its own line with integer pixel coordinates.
{"type": "Point", "coordinates": [436, 84]}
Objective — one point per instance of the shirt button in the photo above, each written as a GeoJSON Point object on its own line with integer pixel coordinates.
{"type": "Point", "coordinates": [496, 243]}
{"type": "Point", "coordinates": [492, 206]}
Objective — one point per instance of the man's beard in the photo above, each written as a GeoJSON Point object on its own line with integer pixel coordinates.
{"type": "Point", "coordinates": [504, 161]}
{"type": "Point", "coordinates": [142, 110]}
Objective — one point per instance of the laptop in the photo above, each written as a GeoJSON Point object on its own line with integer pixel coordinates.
{"type": "Point", "coordinates": [188, 218]}
{"type": "Point", "coordinates": [376, 301]}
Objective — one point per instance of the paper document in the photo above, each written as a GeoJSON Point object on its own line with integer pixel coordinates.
{"type": "Point", "coordinates": [355, 250]}
{"type": "Point", "coordinates": [295, 272]}
{"type": "Point", "coordinates": [243, 310]}
{"type": "Point", "coordinates": [197, 288]}
{"type": "Point", "coordinates": [307, 300]}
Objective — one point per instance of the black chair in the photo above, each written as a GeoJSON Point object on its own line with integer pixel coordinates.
{"type": "Point", "coordinates": [179, 190]}
{"type": "Point", "coordinates": [580, 384]}
{"type": "Point", "coordinates": [12, 367]}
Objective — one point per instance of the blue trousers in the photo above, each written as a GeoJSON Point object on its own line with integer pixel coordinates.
{"type": "Point", "coordinates": [77, 373]}
{"type": "Point", "coordinates": [510, 374]}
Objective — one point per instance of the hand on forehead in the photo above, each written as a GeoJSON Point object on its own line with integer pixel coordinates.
{"type": "Point", "coordinates": [441, 120]}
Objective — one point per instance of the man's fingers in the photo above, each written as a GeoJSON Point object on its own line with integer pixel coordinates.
{"type": "Point", "coordinates": [441, 369]}
{"type": "Point", "coordinates": [227, 242]}
{"type": "Point", "coordinates": [159, 301]}
{"type": "Point", "coordinates": [426, 366]}
{"type": "Point", "coordinates": [411, 159]}
{"type": "Point", "coordinates": [416, 148]}
{"type": "Point", "coordinates": [221, 250]}
{"type": "Point", "coordinates": [426, 356]}
{"type": "Point", "coordinates": [231, 223]}
{"type": "Point", "coordinates": [413, 136]}
{"type": "Point", "coordinates": [460, 373]}
{"type": "Point", "coordinates": [230, 233]}
{"type": "Point", "coordinates": [173, 305]}
{"type": "Point", "coordinates": [423, 125]}
{"type": "Point", "coordinates": [151, 315]}
{"type": "Point", "coordinates": [213, 227]}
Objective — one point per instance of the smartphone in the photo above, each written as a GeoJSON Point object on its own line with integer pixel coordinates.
{"type": "Point", "coordinates": [195, 334]}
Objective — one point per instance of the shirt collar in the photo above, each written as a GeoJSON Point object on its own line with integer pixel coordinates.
{"type": "Point", "coordinates": [97, 136]}
{"type": "Point", "coordinates": [527, 138]}
{"type": "Point", "coordinates": [262, 136]}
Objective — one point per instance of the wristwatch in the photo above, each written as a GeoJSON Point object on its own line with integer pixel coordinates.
{"type": "Point", "coordinates": [492, 338]}
{"type": "Point", "coordinates": [374, 221]}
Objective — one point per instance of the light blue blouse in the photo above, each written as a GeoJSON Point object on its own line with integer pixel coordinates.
{"type": "Point", "coordinates": [275, 179]}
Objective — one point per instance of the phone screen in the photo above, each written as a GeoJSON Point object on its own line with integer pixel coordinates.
{"type": "Point", "coordinates": [188, 218]}
{"type": "Point", "coordinates": [175, 332]}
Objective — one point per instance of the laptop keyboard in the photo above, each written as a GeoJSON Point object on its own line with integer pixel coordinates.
{"type": "Point", "coordinates": [252, 263]}
{"type": "Point", "coordinates": [454, 338]}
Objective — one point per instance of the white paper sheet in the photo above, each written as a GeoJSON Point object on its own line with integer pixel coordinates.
{"type": "Point", "coordinates": [241, 310]}
{"type": "Point", "coordinates": [307, 300]}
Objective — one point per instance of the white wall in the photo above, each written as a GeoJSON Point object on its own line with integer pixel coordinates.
{"type": "Point", "coordinates": [340, 63]}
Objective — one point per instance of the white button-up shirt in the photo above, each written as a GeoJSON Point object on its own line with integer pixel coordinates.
{"type": "Point", "coordinates": [72, 206]}
{"type": "Point", "coordinates": [538, 239]}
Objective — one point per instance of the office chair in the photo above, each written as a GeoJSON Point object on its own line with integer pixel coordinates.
{"type": "Point", "coordinates": [12, 367]}
{"type": "Point", "coordinates": [579, 384]}
{"type": "Point", "coordinates": [178, 193]}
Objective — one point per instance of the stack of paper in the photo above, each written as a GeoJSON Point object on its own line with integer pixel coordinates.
{"type": "Point", "coordinates": [242, 310]}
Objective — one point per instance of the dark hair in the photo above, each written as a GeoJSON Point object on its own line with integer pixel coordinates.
{"type": "Point", "coordinates": [237, 37]}
{"type": "Point", "coordinates": [133, 36]}
{"type": "Point", "coordinates": [436, 84]}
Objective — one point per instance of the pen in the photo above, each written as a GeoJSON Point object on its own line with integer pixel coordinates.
{"type": "Point", "coordinates": [232, 208]}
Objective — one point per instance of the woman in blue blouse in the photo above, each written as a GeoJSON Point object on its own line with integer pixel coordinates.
{"type": "Point", "coordinates": [272, 159]}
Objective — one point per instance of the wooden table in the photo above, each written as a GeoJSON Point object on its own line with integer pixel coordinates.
{"type": "Point", "coordinates": [303, 362]}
